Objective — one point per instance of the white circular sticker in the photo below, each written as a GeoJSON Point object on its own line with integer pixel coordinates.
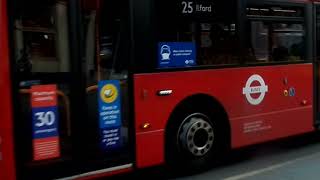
{"type": "Point", "coordinates": [261, 89]}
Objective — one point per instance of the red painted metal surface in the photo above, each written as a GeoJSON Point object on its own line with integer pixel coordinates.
{"type": "Point", "coordinates": [149, 150]}
{"type": "Point", "coordinates": [7, 166]}
{"type": "Point", "coordinates": [277, 115]}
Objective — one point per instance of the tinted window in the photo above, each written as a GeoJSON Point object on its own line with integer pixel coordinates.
{"type": "Point", "coordinates": [275, 34]}
{"type": "Point", "coordinates": [276, 42]}
{"type": "Point", "coordinates": [41, 37]}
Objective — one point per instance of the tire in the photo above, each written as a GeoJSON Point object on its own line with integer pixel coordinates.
{"type": "Point", "coordinates": [193, 139]}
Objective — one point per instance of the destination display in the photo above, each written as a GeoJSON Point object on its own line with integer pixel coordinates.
{"type": "Point", "coordinates": [195, 8]}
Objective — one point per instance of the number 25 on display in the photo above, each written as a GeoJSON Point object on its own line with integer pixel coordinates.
{"type": "Point", "coordinates": [187, 7]}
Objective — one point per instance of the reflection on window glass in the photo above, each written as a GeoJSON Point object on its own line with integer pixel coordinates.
{"type": "Point", "coordinates": [218, 44]}
{"type": "Point", "coordinates": [41, 46]}
{"type": "Point", "coordinates": [41, 37]}
{"type": "Point", "coordinates": [275, 11]}
{"type": "Point", "coordinates": [106, 42]}
{"type": "Point", "coordinates": [274, 42]}
{"type": "Point", "coordinates": [216, 41]}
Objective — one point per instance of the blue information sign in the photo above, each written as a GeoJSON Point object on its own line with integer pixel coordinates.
{"type": "Point", "coordinates": [110, 114]}
{"type": "Point", "coordinates": [111, 138]}
{"type": "Point", "coordinates": [176, 54]}
{"type": "Point", "coordinates": [45, 122]}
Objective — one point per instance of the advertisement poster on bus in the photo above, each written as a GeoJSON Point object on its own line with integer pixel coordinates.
{"type": "Point", "coordinates": [176, 54]}
{"type": "Point", "coordinates": [45, 131]}
{"type": "Point", "coordinates": [110, 114]}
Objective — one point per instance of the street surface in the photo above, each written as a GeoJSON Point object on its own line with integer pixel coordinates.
{"type": "Point", "coordinates": [296, 158]}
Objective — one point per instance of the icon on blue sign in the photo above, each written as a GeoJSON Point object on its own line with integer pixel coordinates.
{"type": "Point", "coordinates": [165, 52]}
{"type": "Point", "coordinates": [176, 54]}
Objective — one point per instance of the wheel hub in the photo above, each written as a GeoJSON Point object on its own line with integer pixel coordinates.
{"type": "Point", "coordinates": [196, 135]}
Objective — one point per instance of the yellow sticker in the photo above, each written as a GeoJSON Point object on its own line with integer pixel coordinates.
{"type": "Point", "coordinates": [109, 93]}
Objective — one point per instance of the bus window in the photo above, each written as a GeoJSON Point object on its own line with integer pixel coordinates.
{"type": "Point", "coordinates": [214, 33]}
{"type": "Point", "coordinates": [109, 26]}
{"type": "Point", "coordinates": [279, 40]}
{"type": "Point", "coordinates": [218, 44]}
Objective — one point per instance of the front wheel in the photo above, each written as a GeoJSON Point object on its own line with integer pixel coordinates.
{"type": "Point", "coordinates": [196, 135]}
{"type": "Point", "coordinates": [193, 140]}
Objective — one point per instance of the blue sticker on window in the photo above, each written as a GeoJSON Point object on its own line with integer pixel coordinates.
{"type": "Point", "coordinates": [110, 114]}
{"type": "Point", "coordinates": [176, 54]}
{"type": "Point", "coordinates": [45, 122]}
{"type": "Point", "coordinates": [111, 138]}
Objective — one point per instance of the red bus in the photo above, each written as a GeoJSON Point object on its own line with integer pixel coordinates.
{"type": "Point", "coordinates": [96, 88]}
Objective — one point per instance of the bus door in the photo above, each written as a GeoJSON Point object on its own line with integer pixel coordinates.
{"type": "Point", "coordinates": [106, 37]}
{"type": "Point", "coordinates": [69, 60]}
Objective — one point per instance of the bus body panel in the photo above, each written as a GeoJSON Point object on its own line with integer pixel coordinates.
{"type": "Point", "coordinates": [7, 167]}
{"type": "Point", "coordinates": [149, 150]}
{"type": "Point", "coordinates": [286, 108]}
{"type": "Point", "coordinates": [263, 127]}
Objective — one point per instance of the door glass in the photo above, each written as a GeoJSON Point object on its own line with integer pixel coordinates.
{"type": "Point", "coordinates": [41, 37]}
{"type": "Point", "coordinates": [106, 68]}
{"type": "Point", "coordinates": [42, 65]}
{"type": "Point", "coordinates": [58, 127]}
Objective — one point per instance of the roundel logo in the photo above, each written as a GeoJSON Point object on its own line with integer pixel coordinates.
{"type": "Point", "coordinates": [255, 89]}
{"type": "Point", "coordinates": [109, 93]}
